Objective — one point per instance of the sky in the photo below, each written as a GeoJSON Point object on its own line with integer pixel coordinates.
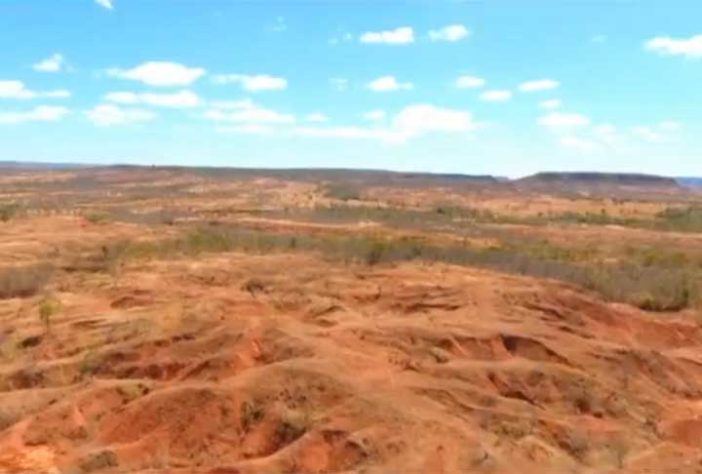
{"type": "Point", "coordinates": [503, 87]}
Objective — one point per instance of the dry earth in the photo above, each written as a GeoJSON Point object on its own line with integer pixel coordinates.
{"type": "Point", "coordinates": [231, 363]}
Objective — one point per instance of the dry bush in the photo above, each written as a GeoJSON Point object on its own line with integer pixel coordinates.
{"type": "Point", "coordinates": [8, 211]}
{"type": "Point", "coordinates": [24, 281]}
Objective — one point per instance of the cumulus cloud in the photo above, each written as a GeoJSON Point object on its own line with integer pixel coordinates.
{"type": "Point", "coordinates": [470, 82]}
{"type": "Point", "coordinates": [54, 63]}
{"type": "Point", "coordinates": [374, 115]}
{"type": "Point", "coordinates": [669, 125]}
{"type": "Point", "coordinates": [398, 36]}
{"type": "Point", "coordinates": [248, 129]}
{"type": "Point", "coordinates": [17, 90]}
{"type": "Point", "coordinates": [577, 143]}
{"type": "Point", "coordinates": [665, 45]}
{"type": "Point", "coordinates": [539, 85]}
{"type": "Point", "coordinates": [388, 84]}
{"type": "Point", "coordinates": [246, 112]}
{"type": "Point", "coordinates": [42, 113]}
{"type": "Point", "coordinates": [105, 4]}
{"type": "Point", "coordinates": [178, 100]}
{"type": "Point", "coordinates": [550, 104]}
{"type": "Point", "coordinates": [412, 121]}
{"type": "Point", "coordinates": [253, 83]}
{"type": "Point", "coordinates": [563, 120]}
{"type": "Point", "coordinates": [648, 134]}
{"type": "Point", "coordinates": [105, 115]}
{"type": "Point", "coordinates": [159, 73]}
{"type": "Point", "coordinates": [496, 96]}
{"type": "Point", "coordinates": [316, 117]}
{"type": "Point", "coordinates": [339, 83]}
{"type": "Point", "coordinates": [279, 25]}
{"type": "Point", "coordinates": [422, 118]}
{"type": "Point", "coordinates": [340, 38]}
{"type": "Point", "coordinates": [360, 133]}
{"type": "Point", "coordinates": [450, 33]}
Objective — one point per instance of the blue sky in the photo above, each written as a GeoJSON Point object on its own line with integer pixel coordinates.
{"type": "Point", "coordinates": [500, 87]}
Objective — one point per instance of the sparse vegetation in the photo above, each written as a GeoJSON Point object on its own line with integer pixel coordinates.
{"type": "Point", "coordinates": [97, 217]}
{"type": "Point", "coordinates": [8, 211]}
{"type": "Point", "coordinates": [652, 287]}
{"type": "Point", "coordinates": [342, 191]}
{"type": "Point", "coordinates": [250, 414]}
{"type": "Point", "coordinates": [24, 281]}
{"type": "Point", "coordinates": [47, 308]}
{"type": "Point", "coordinates": [293, 424]}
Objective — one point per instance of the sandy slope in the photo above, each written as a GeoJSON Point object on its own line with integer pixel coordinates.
{"type": "Point", "coordinates": [265, 364]}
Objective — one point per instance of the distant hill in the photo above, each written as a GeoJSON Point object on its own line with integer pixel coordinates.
{"type": "Point", "coordinates": [35, 165]}
{"type": "Point", "coordinates": [594, 179]}
{"type": "Point", "coordinates": [690, 182]}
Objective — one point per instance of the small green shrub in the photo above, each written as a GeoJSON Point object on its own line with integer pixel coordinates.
{"type": "Point", "coordinates": [48, 307]}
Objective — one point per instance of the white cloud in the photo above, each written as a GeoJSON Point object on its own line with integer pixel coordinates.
{"type": "Point", "coordinates": [105, 4]}
{"type": "Point", "coordinates": [540, 85]}
{"type": "Point", "coordinates": [253, 83]}
{"type": "Point", "coordinates": [605, 130]}
{"type": "Point", "coordinates": [470, 82]}
{"type": "Point", "coordinates": [246, 112]}
{"type": "Point", "coordinates": [339, 83]}
{"type": "Point", "coordinates": [551, 104]}
{"type": "Point", "coordinates": [53, 63]}
{"type": "Point", "coordinates": [341, 38]}
{"type": "Point", "coordinates": [665, 45]}
{"type": "Point", "coordinates": [669, 125]}
{"type": "Point", "coordinates": [360, 133]}
{"type": "Point", "coordinates": [42, 113]}
{"type": "Point", "coordinates": [160, 73]}
{"type": "Point", "coordinates": [249, 129]}
{"type": "Point", "coordinates": [279, 25]}
{"type": "Point", "coordinates": [647, 134]}
{"type": "Point", "coordinates": [374, 115]}
{"type": "Point", "coordinates": [388, 84]}
{"type": "Point", "coordinates": [496, 96]}
{"type": "Point", "coordinates": [450, 33]}
{"type": "Point", "coordinates": [402, 35]}
{"type": "Point", "coordinates": [316, 117]}
{"type": "Point", "coordinates": [422, 118]}
{"type": "Point", "coordinates": [182, 99]}
{"type": "Point", "coordinates": [105, 115]}
{"type": "Point", "coordinates": [410, 122]}
{"type": "Point", "coordinates": [578, 144]}
{"type": "Point", "coordinates": [563, 120]}
{"type": "Point", "coordinates": [17, 90]}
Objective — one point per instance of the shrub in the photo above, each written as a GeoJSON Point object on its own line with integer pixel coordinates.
{"type": "Point", "coordinates": [342, 192]}
{"type": "Point", "coordinates": [97, 217]}
{"type": "Point", "coordinates": [8, 211]}
{"type": "Point", "coordinates": [251, 413]}
{"type": "Point", "coordinates": [47, 308]}
{"type": "Point", "coordinates": [24, 281]}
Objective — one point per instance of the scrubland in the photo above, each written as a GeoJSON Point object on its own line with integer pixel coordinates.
{"type": "Point", "coordinates": [241, 321]}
